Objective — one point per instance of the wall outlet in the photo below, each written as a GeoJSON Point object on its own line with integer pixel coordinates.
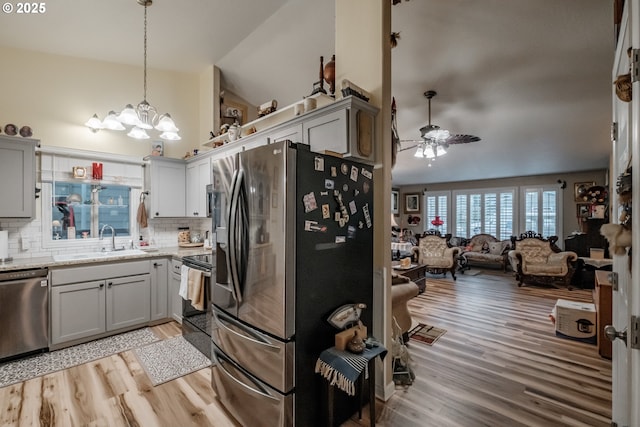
{"type": "Point", "coordinates": [25, 244]}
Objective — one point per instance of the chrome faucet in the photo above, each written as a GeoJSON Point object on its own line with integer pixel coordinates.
{"type": "Point", "coordinates": [113, 236]}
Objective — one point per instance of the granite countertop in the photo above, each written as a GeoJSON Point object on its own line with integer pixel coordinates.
{"type": "Point", "coordinates": [175, 252]}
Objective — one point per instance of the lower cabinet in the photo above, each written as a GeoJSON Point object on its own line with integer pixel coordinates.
{"type": "Point", "coordinates": [90, 301]}
{"type": "Point", "coordinates": [175, 300]}
{"type": "Point", "coordinates": [159, 288]}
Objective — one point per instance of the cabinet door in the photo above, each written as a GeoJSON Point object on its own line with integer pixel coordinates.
{"type": "Point", "coordinates": [77, 311]}
{"type": "Point", "coordinates": [17, 177]}
{"type": "Point", "coordinates": [327, 132]}
{"type": "Point", "coordinates": [167, 189]}
{"type": "Point", "coordinates": [128, 301]}
{"type": "Point", "coordinates": [175, 300]}
{"type": "Point", "coordinates": [293, 134]}
{"type": "Point", "coordinates": [198, 177]}
{"type": "Point", "coordinates": [159, 288]}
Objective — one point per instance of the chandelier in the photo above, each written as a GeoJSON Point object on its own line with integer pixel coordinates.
{"type": "Point", "coordinates": [144, 116]}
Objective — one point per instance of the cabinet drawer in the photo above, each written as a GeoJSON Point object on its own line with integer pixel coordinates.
{"type": "Point", "coordinates": [101, 271]}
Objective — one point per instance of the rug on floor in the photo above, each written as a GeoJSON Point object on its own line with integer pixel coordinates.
{"type": "Point", "coordinates": [170, 359]}
{"type": "Point", "coordinates": [426, 333]}
{"type": "Point", "coordinates": [472, 272]}
{"type": "Point", "coordinates": [31, 367]}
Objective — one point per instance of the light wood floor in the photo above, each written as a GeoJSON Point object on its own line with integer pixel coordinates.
{"type": "Point", "coordinates": [499, 364]}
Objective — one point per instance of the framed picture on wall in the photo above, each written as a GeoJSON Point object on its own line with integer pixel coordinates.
{"type": "Point", "coordinates": [395, 199]}
{"type": "Point", "coordinates": [412, 203]}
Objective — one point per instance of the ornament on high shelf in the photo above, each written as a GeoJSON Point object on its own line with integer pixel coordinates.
{"type": "Point", "coordinates": [437, 222]}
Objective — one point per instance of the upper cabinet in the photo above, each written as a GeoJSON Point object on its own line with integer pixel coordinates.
{"type": "Point", "coordinates": [165, 181]}
{"type": "Point", "coordinates": [198, 177]}
{"type": "Point", "coordinates": [17, 177]}
{"type": "Point", "coordinates": [344, 127]}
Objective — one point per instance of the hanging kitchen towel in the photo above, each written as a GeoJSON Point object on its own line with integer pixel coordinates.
{"type": "Point", "coordinates": [184, 280]}
{"type": "Point", "coordinates": [142, 214]}
{"type": "Point", "coordinates": [195, 290]}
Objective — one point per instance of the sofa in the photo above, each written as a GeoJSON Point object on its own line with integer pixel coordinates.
{"type": "Point", "coordinates": [402, 290]}
{"type": "Point", "coordinates": [485, 249]}
{"type": "Point", "coordinates": [539, 261]}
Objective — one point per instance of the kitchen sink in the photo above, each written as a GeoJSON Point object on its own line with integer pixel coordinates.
{"type": "Point", "coordinates": [97, 255]}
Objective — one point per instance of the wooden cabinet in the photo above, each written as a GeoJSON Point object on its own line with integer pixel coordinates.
{"type": "Point", "coordinates": [159, 288]}
{"type": "Point", "coordinates": [603, 302]}
{"type": "Point", "coordinates": [198, 176]}
{"type": "Point", "coordinates": [91, 301]}
{"type": "Point", "coordinates": [17, 177]}
{"type": "Point", "coordinates": [165, 181]}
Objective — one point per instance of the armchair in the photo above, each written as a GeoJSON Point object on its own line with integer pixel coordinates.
{"type": "Point", "coordinates": [539, 261]}
{"type": "Point", "coordinates": [434, 252]}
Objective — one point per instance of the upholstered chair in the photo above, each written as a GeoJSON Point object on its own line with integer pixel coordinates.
{"type": "Point", "coordinates": [402, 290]}
{"type": "Point", "coordinates": [539, 261]}
{"type": "Point", "coordinates": [434, 252]}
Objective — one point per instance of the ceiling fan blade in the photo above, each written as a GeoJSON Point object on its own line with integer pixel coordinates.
{"type": "Point", "coordinates": [461, 139]}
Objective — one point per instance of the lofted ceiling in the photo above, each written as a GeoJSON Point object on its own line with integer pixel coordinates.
{"type": "Point", "coordinates": [532, 78]}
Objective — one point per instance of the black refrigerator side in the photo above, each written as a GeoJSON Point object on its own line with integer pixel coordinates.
{"type": "Point", "coordinates": [334, 266]}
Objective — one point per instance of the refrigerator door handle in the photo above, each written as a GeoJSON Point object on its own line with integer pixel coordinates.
{"type": "Point", "coordinates": [232, 253]}
{"type": "Point", "coordinates": [260, 390]}
{"type": "Point", "coordinates": [255, 337]}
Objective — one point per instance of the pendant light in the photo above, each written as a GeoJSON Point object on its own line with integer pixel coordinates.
{"type": "Point", "coordinates": [144, 116]}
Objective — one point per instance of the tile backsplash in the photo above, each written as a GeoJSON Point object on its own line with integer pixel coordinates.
{"type": "Point", "coordinates": [26, 238]}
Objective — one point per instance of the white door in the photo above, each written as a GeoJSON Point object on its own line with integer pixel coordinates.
{"type": "Point", "coordinates": [626, 300]}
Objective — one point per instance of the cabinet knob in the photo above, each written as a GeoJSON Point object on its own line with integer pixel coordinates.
{"type": "Point", "coordinates": [157, 264]}
{"type": "Point", "coordinates": [101, 285]}
{"type": "Point", "coordinates": [157, 213]}
{"type": "Point", "coordinates": [109, 284]}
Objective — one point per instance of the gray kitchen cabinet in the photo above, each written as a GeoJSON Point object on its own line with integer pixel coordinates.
{"type": "Point", "coordinates": [77, 311]}
{"type": "Point", "coordinates": [198, 176]}
{"type": "Point", "coordinates": [128, 302]}
{"type": "Point", "coordinates": [292, 133]}
{"type": "Point", "coordinates": [175, 300]}
{"type": "Point", "coordinates": [97, 300]}
{"type": "Point", "coordinates": [17, 177]}
{"type": "Point", "coordinates": [159, 288]}
{"type": "Point", "coordinates": [165, 181]}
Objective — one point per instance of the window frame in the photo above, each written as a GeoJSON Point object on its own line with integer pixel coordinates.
{"type": "Point", "coordinates": [482, 192]}
{"type": "Point", "coordinates": [559, 215]}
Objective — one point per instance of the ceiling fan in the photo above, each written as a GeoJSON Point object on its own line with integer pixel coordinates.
{"type": "Point", "coordinates": [435, 141]}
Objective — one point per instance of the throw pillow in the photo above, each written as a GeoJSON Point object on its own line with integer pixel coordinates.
{"type": "Point", "coordinates": [485, 248]}
{"type": "Point", "coordinates": [496, 248]}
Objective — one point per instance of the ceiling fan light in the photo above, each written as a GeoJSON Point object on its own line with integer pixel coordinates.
{"type": "Point", "coordinates": [419, 152]}
{"type": "Point", "coordinates": [111, 122]}
{"type": "Point", "coordinates": [440, 151]}
{"type": "Point", "coordinates": [429, 153]}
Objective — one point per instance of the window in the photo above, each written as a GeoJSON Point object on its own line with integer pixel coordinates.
{"type": "Point", "coordinates": [85, 208]}
{"type": "Point", "coordinates": [541, 211]}
{"type": "Point", "coordinates": [489, 211]}
{"type": "Point", "coordinates": [437, 204]}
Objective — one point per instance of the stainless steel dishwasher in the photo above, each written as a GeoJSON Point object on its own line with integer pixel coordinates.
{"type": "Point", "coordinates": [24, 312]}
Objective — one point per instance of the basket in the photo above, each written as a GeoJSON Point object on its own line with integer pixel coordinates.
{"type": "Point", "coordinates": [623, 87]}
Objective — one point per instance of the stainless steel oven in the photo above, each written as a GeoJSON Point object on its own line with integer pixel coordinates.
{"type": "Point", "coordinates": [196, 324]}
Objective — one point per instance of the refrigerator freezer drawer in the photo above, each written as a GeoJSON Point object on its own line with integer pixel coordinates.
{"type": "Point", "coordinates": [267, 358]}
{"type": "Point", "coordinates": [249, 400]}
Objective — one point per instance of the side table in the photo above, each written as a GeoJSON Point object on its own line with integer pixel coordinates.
{"type": "Point", "coordinates": [348, 372]}
{"type": "Point", "coordinates": [417, 273]}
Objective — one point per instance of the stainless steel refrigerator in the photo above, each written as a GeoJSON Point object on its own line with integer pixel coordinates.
{"type": "Point", "coordinates": [293, 238]}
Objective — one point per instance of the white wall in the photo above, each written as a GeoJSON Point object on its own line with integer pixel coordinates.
{"type": "Point", "coordinates": [55, 95]}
